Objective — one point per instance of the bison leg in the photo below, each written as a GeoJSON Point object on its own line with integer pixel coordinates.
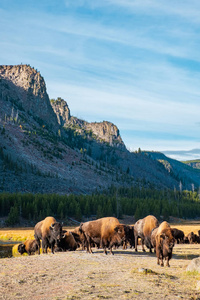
{"type": "Point", "coordinates": [44, 245]}
{"type": "Point", "coordinates": [158, 261]}
{"type": "Point", "coordinates": [38, 245]}
{"type": "Point", "coordinates": [88, 244]}
{"type": "Point", "coordinates": [167, 264]}
{"type": "Point", "coordinates": [111, 252]}
{"type": "Point", "coordinates": [136, 242]}
{"type": "Point", "coordinates": [124, 245]}
{"type": "Point", "coordinates": [52, 248]}
{"type": "Point", "coordinates": [103, 245]}
{"type": "Point", "coordinates": [162, 263]}
{"type": "Point", "coordinates": [142, 241]}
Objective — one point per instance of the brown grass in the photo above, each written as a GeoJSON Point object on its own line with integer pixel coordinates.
{"type": "Point", "coordinates": [78, 275]}
{"type": "Point", "coordinates": [19, 234]}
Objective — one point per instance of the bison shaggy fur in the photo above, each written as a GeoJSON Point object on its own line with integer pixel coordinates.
{"type": "Point", "coordinates": [162, 239]}
{"type": "Point", "coordinates": [49, 231]}
{"type": "Point", "coordinates": [106, 232]}
{"type": "Point", "coordinates": [29, 246]}
{"type": "Point", "coordinates": [143, 229]}
{"type": "Point", "coordinates": [67, 242]}
{"type": "Point", "coordinates": [178, 235]}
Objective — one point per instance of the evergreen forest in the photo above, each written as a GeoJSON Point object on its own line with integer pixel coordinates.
{"type": "Point", "coordinates": [134, 201]}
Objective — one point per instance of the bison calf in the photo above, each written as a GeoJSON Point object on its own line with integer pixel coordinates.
{"type": "Point", "coordinates": [66, 243]}
{"type": "Point", "coordinates": [29, 246]}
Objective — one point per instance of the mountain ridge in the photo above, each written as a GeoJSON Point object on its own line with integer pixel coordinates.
{"type": "Point", "coordinates": [45, 149]}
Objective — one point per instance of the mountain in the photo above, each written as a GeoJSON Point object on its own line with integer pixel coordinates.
{"type": "Point", "coordinates": [183, 172]}
{"type": "Point", "coordinates": [183, 155]}
{"type": "Point", "coordinates": [193, 163]}
{"type": "Point", "coordinates": [44, 149]}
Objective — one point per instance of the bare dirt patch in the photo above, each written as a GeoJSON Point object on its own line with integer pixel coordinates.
{"type": "Point", "coordinates": [78, 275]}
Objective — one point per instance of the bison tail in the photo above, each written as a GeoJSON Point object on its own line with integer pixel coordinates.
{"type": "Point", "coordinates": [80, 228]}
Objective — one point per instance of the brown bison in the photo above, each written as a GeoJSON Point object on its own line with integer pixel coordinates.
{"type": "Point", "coordinates": [106, 232]}
{"type": "Point", "coordinates": [130, 239]}
{"type": "Point", "coordinates": [49, 231]}
{"type": "Point", "coordinates": [193, 238]}
{"type": "Point", "coordinates": [29, 246]}
{"type": "Point", "coordinates": [163, 241]}
{"type": "Point", "coordinates": [178, 235]}
{"type": "Point", "coordinates": [67, 242]}
{"type": "Point", "coordinates": [79, 237]}
{"type": "Point", "coordinates": [197, 239]}
{"type": "Point", "coordinates": [143, 229]}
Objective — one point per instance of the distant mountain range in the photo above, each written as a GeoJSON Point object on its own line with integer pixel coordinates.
{"type": "Point", "coordinates": [43, 149]}
{"type": "Point", "coordinates": [183, 155]}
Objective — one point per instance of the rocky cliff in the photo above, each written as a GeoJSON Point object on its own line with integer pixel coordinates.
{"type": "Point", "coordinates": [104, 131]}
{"type": "Point", "coordinates": [25, 87]}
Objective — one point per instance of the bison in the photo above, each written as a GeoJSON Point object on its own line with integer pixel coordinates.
{"type": "Point", "coordinates": [191, 237]}
{"type": "Point", "coordinates": [129, 237]}
{"type": "Point", "coordinates": [67, 242]}
{"type": "Point", "coordinates": [49, 231]}
{"type": "Point", "coordinates": [79, 237]}
{"type": "Point", "coordinates": [106, 232]}
{"type": "Point", "coordinates": [178, 235]}
{"type": "Point", "coordinates": [29, 246]}
{"type": "Point", "coordinates": [163, 241]}
{"type": "Point", "coordinates": [143, 229]}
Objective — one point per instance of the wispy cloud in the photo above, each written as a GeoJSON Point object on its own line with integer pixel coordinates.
{"type": "Point", "coordinates": [134, 63]}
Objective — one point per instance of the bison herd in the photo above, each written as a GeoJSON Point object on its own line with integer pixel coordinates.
{"type": "Point", "coordinates": [107, 233]}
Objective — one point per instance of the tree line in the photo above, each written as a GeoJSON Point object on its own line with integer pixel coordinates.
{"type": "Point", "coordinates": [134, 201]}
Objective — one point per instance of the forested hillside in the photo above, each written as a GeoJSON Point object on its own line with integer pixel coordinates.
{"type": "Point", "coordinates": [135, 202]}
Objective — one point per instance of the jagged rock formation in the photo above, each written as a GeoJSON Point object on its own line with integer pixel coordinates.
{"type": "Point", "coordinates": [61, 110]}
{"type": "Point", "coordinates": [25, 87]}
{"type": "Point", "coordinates": [102, 131]}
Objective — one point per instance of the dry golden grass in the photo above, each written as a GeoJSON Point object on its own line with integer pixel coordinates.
{"type": "Point", "coordinates": [19, 234]}
{"type": "Point", "coordinates": [79, 275]}
{"type": "Point", "coordinates": [13, 234]}
{"type": "Point", "coordinates": [22, 234]}
{"type": "Point", "coordinates": [186, 228]}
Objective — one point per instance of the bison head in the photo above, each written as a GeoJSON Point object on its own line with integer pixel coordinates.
{"type": "Point", "coordinates": [167, 242]}
{"type": "Point", "coordinates": [121, 230]}
{"type": "Point", "coordinates": [21, 248]}
{"type": "Point", "coordinates": [56, 231]}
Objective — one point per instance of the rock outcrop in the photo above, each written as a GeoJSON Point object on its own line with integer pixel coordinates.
{"type": "Point", "coordinates": [61, 110]}
{"type": "Point", "coordinates": [25, 87]}
{"type": "Point", "coordinates": [104, 131]}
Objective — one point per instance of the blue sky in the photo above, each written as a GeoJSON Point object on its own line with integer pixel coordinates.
{"type": "Point", "coordinates": [131, 62]}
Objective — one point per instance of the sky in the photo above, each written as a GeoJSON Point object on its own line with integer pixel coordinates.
{"type": "Point", "coordinates": [131, 62]}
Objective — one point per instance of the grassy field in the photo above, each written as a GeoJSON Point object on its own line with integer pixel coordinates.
{"type": "Point", "coordinates": [79, 275]}
{"type": "Point", "coordinates": [21, 234]}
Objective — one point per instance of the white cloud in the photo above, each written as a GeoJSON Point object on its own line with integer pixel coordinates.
{"type": "Point", "coordinates": [134, 63]}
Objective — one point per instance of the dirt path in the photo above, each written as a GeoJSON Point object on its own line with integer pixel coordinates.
{"type": "Point", "coordinates": [78, 275]}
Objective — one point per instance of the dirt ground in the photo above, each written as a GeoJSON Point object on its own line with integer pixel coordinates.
{"type": "Point", "coordinates": [78, 275]}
